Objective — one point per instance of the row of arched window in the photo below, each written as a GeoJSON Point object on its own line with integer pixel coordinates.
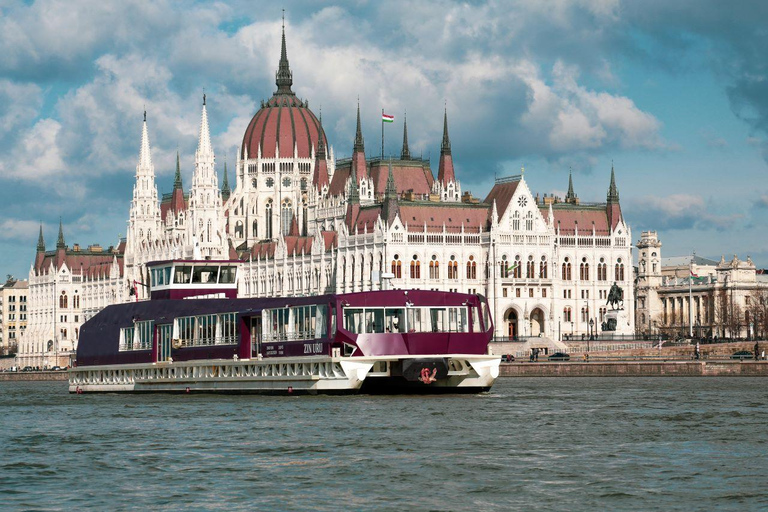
{"type": "Point", "coordinates": [64, 301]}
{"type": "Point", "coordinates": [434, 268]}
{"type": "Point", "coordinates": [602, 270]}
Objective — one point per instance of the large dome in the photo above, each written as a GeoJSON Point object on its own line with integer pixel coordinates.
{"type": "Point", "coordinates": [284, 121]}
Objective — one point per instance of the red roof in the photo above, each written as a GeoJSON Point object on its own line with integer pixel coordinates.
{"type": "Point", "coordinates": [502, 193]}
{"type": "Point", "coordinates": [298, 244]}
{"type": "Point", "coordinates": [331, 240]}
{"type": "Point", "coordinates": [177, 202]}
{"type": "Point", "coordinates": [568, 217]}
{"type": "Point", "coordinates": [91, 264]}
{"type": "Point", "coordinates": [452, 215]}
{"type": "Point", "coordinates": [412, 175]}
{"type": "Point", "coordinates": [362, 218]}
{"type": "Point", "coordinates": [283, 120]}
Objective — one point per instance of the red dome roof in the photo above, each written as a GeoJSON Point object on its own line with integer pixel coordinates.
{"type": "Point", "coordinates": [283, 121]}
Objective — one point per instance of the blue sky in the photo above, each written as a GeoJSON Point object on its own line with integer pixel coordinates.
{"type": "Point", "coordinates": [675, 94]}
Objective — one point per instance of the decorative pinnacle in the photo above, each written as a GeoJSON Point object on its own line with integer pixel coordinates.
{"type": "Point", "coordinates": [40, 241]}
{"type": "Point", "coordinates": [359, 143]}
{"type": "Point", "coordinates": [60, 242]}
{"type": "Point", "coordinates": [445, 147]}
{"type": "Point", "coordinates": [225, 191]}
{"type": "Point", "coordinates": [405, 154]}
{"type": "Point", "coordinates": [284, 77]}
{"type": "Point", "coordinates": [391, 190]}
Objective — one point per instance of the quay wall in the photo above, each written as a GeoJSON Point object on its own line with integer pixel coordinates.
{"type": "Point", "coordinates": [636, 369]}
{"type": "Point", "coordinates": [32, 376]}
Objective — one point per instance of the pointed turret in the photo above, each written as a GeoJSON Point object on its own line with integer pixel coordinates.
{"type": "Point", "coordinates": [60, 241]}
{"type": "Point", "coordinates": [284, 77]}
{"type": "Point", "coordinates": [177, 177]}
{"type": "Point", "coordinates": [145, 156]}
{"type": "Point", "coordinates": [359, 143]}
{"type": "Point", "coordinates": [353, 194]}
{"type": "Point", "coordinates": [40, 241]}
{"type": "Point", "coordinates": [225, 191]}
{"type": "Point", "coordinates": [405, 153]}
{"type": "Point", "coordinates": [204, 146]}
{"type": "Point", "coordinates": [320, 177]}
{"type": "Point", "coordinates": [613, 192]}
{"type": "Point", "coordinates": [613, 208]}
{"type": "Point", "coordinates": [570, 197]}
{"type": "Point", "coordinates": [445, 173]}
{"type": "Point", "coordinates": [358, 153]}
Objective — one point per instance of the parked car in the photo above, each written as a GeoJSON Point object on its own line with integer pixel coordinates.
{"type": "Point", "coordinates": [56, 368]}
{"type": "Point", "coordinates": [27, 369]}
{"type": "Point", "coordinates": [507, 358]}
{"type": "Point", "coordinates": [742, 354]}
{"type": "Point", "coordinates": [559, 356]}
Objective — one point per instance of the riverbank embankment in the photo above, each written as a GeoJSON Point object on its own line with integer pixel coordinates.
{"type": "Point", "coordinates": [636, 369]}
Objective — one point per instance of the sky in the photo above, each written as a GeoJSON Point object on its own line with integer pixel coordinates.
{"type": "Point", "coordinates": [674, 95]}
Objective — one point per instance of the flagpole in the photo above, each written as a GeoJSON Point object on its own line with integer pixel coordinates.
{"type": "Point", "coordinates": [382, 134]}
{"type": "Point", "coordinates": [690, 297]}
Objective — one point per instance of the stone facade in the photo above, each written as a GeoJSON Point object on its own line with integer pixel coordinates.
{"type": "Point", "coordinates": [693, 296]}
{"type": "Point", "coordinates": [13, 313]}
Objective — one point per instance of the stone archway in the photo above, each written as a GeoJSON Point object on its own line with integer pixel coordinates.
{"type": "Point", "coordinates": [537, 322]}
{"type": "Point", "coordinates": [510, 317]}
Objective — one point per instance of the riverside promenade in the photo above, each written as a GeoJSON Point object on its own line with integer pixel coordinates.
{"type": "Point", "coordinates": [628, 368]}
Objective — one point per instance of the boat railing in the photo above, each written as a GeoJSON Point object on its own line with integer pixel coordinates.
{"type": "Point", "coordinates": [291, 336]}
{"type": "Point", "coordinates": [136, 345]}
{"type": "Point", "coordinates": [205, 342]}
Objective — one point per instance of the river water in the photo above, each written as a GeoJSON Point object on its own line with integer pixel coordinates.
{"type": "Point", "coordinates": [530, 444]}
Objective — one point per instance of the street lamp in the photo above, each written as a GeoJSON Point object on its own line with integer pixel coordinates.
{"type": "Point", "coordinates": [591, 325]}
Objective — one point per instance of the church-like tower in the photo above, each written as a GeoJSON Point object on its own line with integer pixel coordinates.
{"type": "Point", "coordinates": [205, 207]}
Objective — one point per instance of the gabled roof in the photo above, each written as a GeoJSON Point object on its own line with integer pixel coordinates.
{"type": "Point", "coordinates": [473, 217]}
{"type": "Point", "coordinates": [569, 216]}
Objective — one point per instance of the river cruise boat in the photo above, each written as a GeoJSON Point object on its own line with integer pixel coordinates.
{"type": "Point", "coordinates": [195, 335]}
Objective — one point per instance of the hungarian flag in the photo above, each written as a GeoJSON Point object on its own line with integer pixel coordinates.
{"type": "Point", "coordinates": [513, 267]}
{"type": "Point", "coordinates": [386, 118]}
{"type": "Point", "coordinates": [693, 274]}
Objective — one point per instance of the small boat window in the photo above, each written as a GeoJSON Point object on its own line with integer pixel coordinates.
{"type": "Point", "coordinates": [227, 275]}
{"type": "Point", "coordinates": [203, 330]}
{"type": "Point", "coordinates": [183, 274]}
{"type": "Point", "coordinates": [295, 323]}
{"type": "Point", "coordinates": [138, 336]}
{"type": "Point", "coordinates": [205, 275]}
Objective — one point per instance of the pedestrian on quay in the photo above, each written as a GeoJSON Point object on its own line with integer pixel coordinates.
{"type": "Point", "coordinates": [757, 351]}
{"type": "Point", "coordinates": [697, 351]}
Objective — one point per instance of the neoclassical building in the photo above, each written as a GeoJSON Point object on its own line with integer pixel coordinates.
{"type": "Point", "coordinates": [691, 295]}
{"type": "Point", "coordinates": [302, 222]}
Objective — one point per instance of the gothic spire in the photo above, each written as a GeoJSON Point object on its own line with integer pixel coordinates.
{"type": "Point", "coordinates": [391, 190]}
{"type": "Point", "coordinates": [225, 191]}
{"type": "Point", "coordinates": [353, 195]}
{"type": "Point", "coordinates": [405, 154]}
{"type": "Point", "coordinates": [60, 242]}
{"type": "Point", "coordinates": [284, 77]}
{"type": "Point", "coordinates": [320, 143]}
{"type": "Point", "coordinates": [359, 144]}
{"type": "Point", "coordinates": [204, 146]}
{"type": "Point", "coordinates": [40, 241]}
{"type": "Point", "coordinates": [390, 208]}
{"type": "Point", "coordinates": [445, 146]}
{"type": "Point", "coordinates": [177, 178]}
{"type": "Point", "coordinates": [145, 157]}
{"type": "Point", "coordinates": [613, 191]}
{"type": "Point", "coordinates": [570, 197]}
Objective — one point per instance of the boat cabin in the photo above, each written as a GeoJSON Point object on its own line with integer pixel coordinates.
{"type": "Point", "coordinates": [199, 279]}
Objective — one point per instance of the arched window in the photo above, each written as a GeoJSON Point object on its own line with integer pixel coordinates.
{"type": "Point", "coordinates": [567, 314]}
{"type": "Point", "coordinates": [619, 270]}
{"type": "Point", "coordinates": [343, 270]}
{"type": "Point", "coordinates": [504, 267]}
{"type": "Point", "coordinates": [453, 268]}
{"type": "Point", "coordinates": [585, 314]}
{"type": "Point", "coordinates": [584, 270]}
{"type": "Point", "coordinates": [518, 272]}
{"type": "Point", "coordinates": [566, 270]}
{"type": "Point", "coordinates": [471, 268]}
{"type": "Point", "coordinates": [76, 301]}
{"type": "Point", "coordinates": [602, 270]}
{"type": "Point", "coordinates": [434, 268]}
{"type": "Point", "coordinates": [210, 231]}
{"type": "Point", "coordinates": [543, 268]}
{"type": "Point", "coordinates": [63, 302]}
{"type": "Point", "coordinates": [529, 221]}
{"type": "Point", "coordinates": [353, 270]}
{"type": "Point", "coordinates": [304, 211]}
{"type": "Point", "coordinates": [397, 269]}
{"type": "Point", "coordinates": [270, 231]}
{"type": "Point", "coordinates": [255, 229]}
{"type": "Point", "coordinates": [516, 221]}
{"type": "Point", "coordinates": [239, 229]}
{"type": "Point", "coordinates": [286, 217]}
{"type": "Point", "coordinates": [415, 267]}
{"type": "Point", "coordinates": [530, 268]}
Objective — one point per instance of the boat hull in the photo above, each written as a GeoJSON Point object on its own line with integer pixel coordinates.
{"type": "Point", "coordinates": [285, 376]}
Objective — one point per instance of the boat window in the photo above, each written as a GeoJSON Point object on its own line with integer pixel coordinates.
{"type": "Point", "coordinates": [205, 275]}
{"type": "Point", "coordinates": [374, 320]}
{"type": "Point", "coordinates": [353, 319]}
{"type": "Point", "coordinates": [203, 330]}
{"type": "Point", "coordinates": [138, 336]}
{"type": "Point", "coordinates": [394, 320]}
{"type": "Point", "coordinates": [295, 323]}
{"type": "Point", "coordinates": [227, 275]}
{"type": "Point", "coordinates": [475, 318]}
{"type": "Point", "coordinates": [183, 274]}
